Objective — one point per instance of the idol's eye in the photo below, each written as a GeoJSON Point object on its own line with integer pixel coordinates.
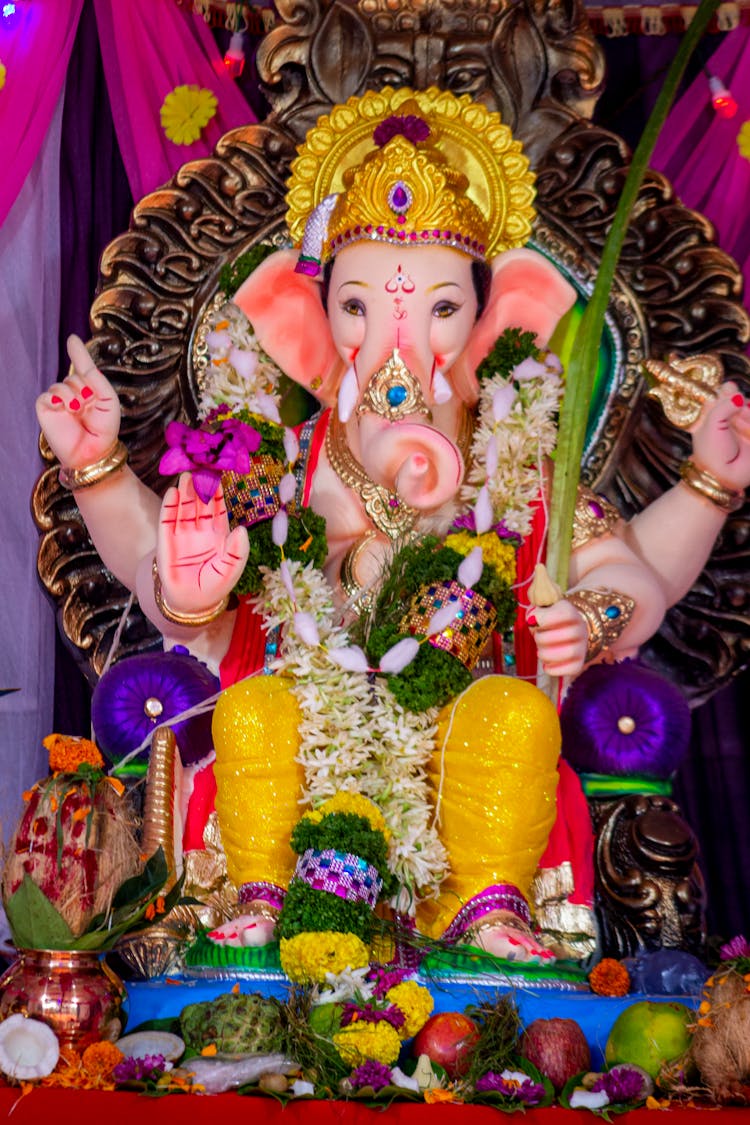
{"type": "Point", "coordinates": [444, 309]}
{"type": "Point", "coordinates": [353, 307]}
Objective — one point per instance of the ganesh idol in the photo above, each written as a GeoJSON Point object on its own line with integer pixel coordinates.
{"type": "Point", "coordinates": [402, 307]}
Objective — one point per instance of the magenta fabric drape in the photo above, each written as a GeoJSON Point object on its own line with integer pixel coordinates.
{"type": "Point", "coordinates": [698, 151]}
{"type": "Point", "coordinates": [149, 47]}
{"type": "Point", "coordinates": [35, 46]}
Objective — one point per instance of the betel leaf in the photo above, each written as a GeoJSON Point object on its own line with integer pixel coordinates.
{"type": "Point", "coordinates": [585, 352]}
{"type": "Point", "coordinates": [146, 883]}
{"type": "Point", "coordinates": [34, 922]}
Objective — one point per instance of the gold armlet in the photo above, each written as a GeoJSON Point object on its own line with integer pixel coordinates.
{"type": "Point", "coordinates": [88, 475]}
{"type": "Point", "coordinates": [191, 620]}
{"type": "Point", "coordinates": [594, 516]}
{"type": "Point", "coordinates": [606, 614]}
{"type": "Point", "coordinates": [728, 500]}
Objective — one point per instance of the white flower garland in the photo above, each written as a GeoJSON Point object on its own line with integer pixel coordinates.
{"type": "Point", "coordinates": [239, 374]}
{"type": "Point", "coordinates": [353, 734]}
{"type": "Point", "coordinates": [515, 431]}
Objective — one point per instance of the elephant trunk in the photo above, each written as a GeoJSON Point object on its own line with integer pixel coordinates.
{"type": "Point", "coordinates": [409, 456]}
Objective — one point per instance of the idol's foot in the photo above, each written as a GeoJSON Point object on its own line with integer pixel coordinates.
{"type": "Point", "coordinates": [503, 934]}
{"type": "Point", "coordinates": [255, 926]}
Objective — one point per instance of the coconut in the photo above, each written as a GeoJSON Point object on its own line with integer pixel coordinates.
{"type": "Point", "coordinates": [28, 1048]}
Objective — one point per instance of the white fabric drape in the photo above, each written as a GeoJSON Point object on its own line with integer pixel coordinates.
{"type": "Point", "coordinates": [29, 314]}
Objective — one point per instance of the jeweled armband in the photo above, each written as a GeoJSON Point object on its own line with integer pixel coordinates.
{"type": "Point", "coordinates": [606, 613]}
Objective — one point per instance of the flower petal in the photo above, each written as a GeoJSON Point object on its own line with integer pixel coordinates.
{"type": "Point", "coordinates": [205, 483]}
{"type": "Point", "coordinates": [286, 578]}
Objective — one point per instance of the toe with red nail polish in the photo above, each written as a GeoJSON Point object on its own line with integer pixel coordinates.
{"type": "Point", "coordinates": [86, 392]}
{"type": "Point", "coordinates": [55, 400]}
{"type": "Point", "coordinates": [75, 404]}
{"type": "Point", "coordinates": [532, 621]}
{"type": "Point", "coordinates": [738, 400]}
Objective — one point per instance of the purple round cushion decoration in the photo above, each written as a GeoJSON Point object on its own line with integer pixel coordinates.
{"type": "Point", "coordinates": [623, 719]}
{"type": "Point", "coordinates": [138, 694]}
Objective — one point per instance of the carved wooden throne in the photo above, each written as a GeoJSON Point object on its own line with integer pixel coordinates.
{"type": "Point", "coordinates": [537, 63]}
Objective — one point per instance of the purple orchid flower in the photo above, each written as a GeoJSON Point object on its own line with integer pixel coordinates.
{"type": "Point", "coordinates": [386, 978]}
{"type": "Point", "coordinates": [365, 1013]}
{"type": "Point", "coordinates": [739, 946]}
{"type": "Point", "coordinates": [623, 1084]}
{"type": "Point", "coordinates": [140, 1070]}
{"type": "Point", "coordinates": [208, 452]}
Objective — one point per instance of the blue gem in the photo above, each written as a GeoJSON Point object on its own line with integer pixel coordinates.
{"type": "Point", "coordinates": [396, 395]}
{"type": "Point", "coordinates": [612, 612]}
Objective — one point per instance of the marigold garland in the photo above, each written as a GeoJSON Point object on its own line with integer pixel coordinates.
{"type": "Point", "coordinates": [185, 112]}
{"type": "Point", "coordinates": [609, 978]}
{"type": "Point", "coordinates": [307, 958]}
{"type": "Point", "coordinates": [362, 1041]}
{"type": "Point", "coordinates": [415, 1002]}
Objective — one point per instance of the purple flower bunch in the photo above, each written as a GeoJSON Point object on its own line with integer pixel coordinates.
{"type": "Point", "coordinates": [368, 1013]}
{"type": "Point", "coordinates": [148, 1068]}
{"type": "Point", "coordinates": [216, 447]}
{"type": "Point", "coordinates": [371, 1073]}
{"type": "Point", "coordinates": [385, 978]}
{"type": "Point", "coordinates": [739, 946]}
{"type": "Point", "coordinates": [528, 1091]}
{"type": "Point", "coordinates": [622, 1084]}
{"type": "Point", "coordinates": [467, 522]}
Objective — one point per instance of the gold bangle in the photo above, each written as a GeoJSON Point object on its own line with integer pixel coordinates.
{"type": "Point", "coordinates": [192, 620]}
{"type": "Point", "coordinates": [606, 613]}
{"type": "Point", "coordinates": [728, 500]}
{"type": "Point", "coordinates": [88, 475]}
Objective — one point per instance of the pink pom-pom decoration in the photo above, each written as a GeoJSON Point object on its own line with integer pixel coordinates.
{"type": "Point", "coordinates": [287, 488]}
{"type": "Point", "coordinates": [286, 578]}
{"type": "Point", "coordinates": [502, 402]}
{"type": "Point", "coordinates": [442, 618]}
{"type": "Point", "coordinates": [244, 363]}
{"type": "Point", "coordinates": [291, 445]}
{"type": "Point", "coordinates": [529, 368]}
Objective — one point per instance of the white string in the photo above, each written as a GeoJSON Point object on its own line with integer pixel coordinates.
{"type": "Point", "coordinates": [118, 635]}
{"type": "Point", "coordinates": [439, 795]}
{"type": "Point", "coordinates": [201, 708]}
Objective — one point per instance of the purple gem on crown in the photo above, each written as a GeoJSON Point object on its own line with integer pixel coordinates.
{"type": "Point", "coordinates": [414, 128]}
{"type": "Point", "coordinates": [400, 198]}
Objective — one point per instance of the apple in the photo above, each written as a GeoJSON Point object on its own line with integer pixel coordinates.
{"type": "Point", "coordinates": [448, 1039]}
{"type": "Point", "coordinates": [557, 1048]}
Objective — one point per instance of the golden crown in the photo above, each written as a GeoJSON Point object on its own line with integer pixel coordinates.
{"type": "Point", "coordinates": [410, 168]}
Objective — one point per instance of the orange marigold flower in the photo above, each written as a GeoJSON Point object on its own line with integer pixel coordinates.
{"type": "Point", "coordinates": [432, 1097]}
{"type": "Point", "coordinates": [100, 1059]}
{"type": "Point", "coordinates": [160, 904]}
{"type": "Point", "coordinates": [150, 912]}
{"type": "Point", "coordinates": [609, 978]}
{"type": "Point", "coordinates": [209, 1050]}
{"type": "Point", "coordinates": [67, 753]}
{"type": "Point", "coordinates": [704, 1008]}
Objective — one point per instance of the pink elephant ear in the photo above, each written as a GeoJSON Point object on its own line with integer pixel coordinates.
{"type": "Point", "coordinates": [527, 292]}
{"type": "Point", "coordinates": [288, 318]}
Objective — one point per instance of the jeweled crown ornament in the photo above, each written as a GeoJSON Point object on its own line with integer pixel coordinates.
{"type": "Point", "coordinates": [409, 168]}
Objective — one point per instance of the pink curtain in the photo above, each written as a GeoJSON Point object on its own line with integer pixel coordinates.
{"type": "Point", "coordinates": [698, 150]}
{"type": "Point", "coordinates": [149, 47]}
{"type": "Point", "coordinates": [35, 46]}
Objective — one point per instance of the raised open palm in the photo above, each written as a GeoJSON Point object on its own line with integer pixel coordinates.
{"type": "Point", "coordinates": [198, 558]}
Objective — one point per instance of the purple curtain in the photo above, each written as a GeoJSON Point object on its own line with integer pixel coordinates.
{"type": "Point", "coordinates": [149, 47]}
{"type": "Point", "coordinates": [35, 49]}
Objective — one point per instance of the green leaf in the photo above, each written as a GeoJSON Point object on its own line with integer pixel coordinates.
{"type": "Point", "coordinates": [34, 921]}
{"type": "Point", "coordinates": [148, 882]}
{"type": "Point", "coordinates": [582, 368]}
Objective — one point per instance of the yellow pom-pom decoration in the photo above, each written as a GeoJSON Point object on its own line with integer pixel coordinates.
{"type": "Point", "coordinates": [345, 802]}
{"type": "Point", "coordinates": [495, 776]}
{"type": "Point", "coordinates": [415, 1002]}
{"type": "Point", "coordinates": [362, 1041]}
{"type": "Point", "coordinates": [185, 112]}
{"type": "Point", "coordinates": [258, 781]}
{"type": "Point", "coordinates": [306, 958]}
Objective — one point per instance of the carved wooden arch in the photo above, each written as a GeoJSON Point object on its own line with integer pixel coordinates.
{"type": "Point", "coordinates": [675, 289]}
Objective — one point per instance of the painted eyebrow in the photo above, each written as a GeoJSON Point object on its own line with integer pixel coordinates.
{"type": "Point", "coordinates": [363, 284]}
{"type": "Point", "coordinates": [442, 285]}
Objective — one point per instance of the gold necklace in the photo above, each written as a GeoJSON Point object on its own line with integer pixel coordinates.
{"type": "Point", "coordinates": [385, 508]}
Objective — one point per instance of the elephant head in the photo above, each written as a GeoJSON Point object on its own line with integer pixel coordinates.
{"type": "Point", "coordinates": [432, 313]}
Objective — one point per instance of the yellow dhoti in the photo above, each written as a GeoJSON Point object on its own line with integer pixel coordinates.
{"type": "Point", "coordinates": [494, 775]}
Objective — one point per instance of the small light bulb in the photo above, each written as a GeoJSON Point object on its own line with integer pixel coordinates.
{"type": "Point", "coordinates": [9, 10]}
{"type": "Point", "coordinates": [721, 98]}
{"type": "Point", "coordinates": [234, 57]}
